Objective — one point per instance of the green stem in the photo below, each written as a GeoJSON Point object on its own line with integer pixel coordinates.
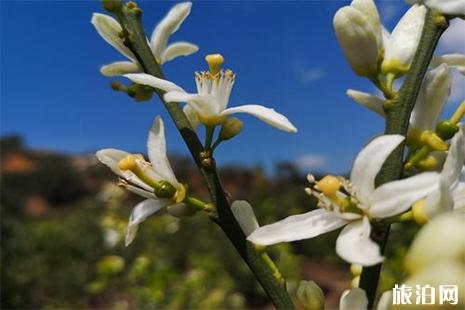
{"type": "Point", "coordinates": [397, 121]}
{"type": "Point", "coordinates": [137, 42]}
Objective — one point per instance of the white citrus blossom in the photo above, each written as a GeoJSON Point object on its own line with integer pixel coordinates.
{"type": "Point", "coordinates": [356, 298]}
{"type": "Point", "coordinates": [358, 30]}
{"type": "Point", "coordinates": [433, 95]}
{"type": "Point", "coordinates": [450, 192]}
{"type": "Point", "coordinates": [109, 29]}
{"type": "Point", "coordinates": [354, 211]}
{"type": "Point", "coordinates": [209, 104]}
{"type": "Point", "coordinates": [451, 7]}
{"type": "Point", "coordinates": [456, 61]}
{"type": "Point", "coordinates": [146, 179]}
{"type": "Point", "coordinates": [401, 45]}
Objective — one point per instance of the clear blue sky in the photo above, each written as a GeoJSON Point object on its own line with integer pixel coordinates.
{"type": "Point", "coordinates": [285, 56]}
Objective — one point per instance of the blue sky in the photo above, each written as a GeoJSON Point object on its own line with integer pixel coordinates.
{"type": "Point", "coordinates": [285, 56]}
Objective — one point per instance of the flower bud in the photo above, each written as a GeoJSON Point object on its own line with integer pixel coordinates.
{"type": "Point", "coordinates": [231, 128]}
{"type": "Point", "coordinates": [110, 264]}
{"type": "Point", "coordinates": [245, 216]}
{"type": "Point", "coordinates": [358, 40]}
{"type": "Point", "coordinates": [440, 240]}
{"type": "Point", "coordinates": [446, 130]}
{"type": "Point", "coordinates": [310, 295]}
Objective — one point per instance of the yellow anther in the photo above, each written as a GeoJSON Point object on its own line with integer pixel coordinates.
{"type": "Point", "coordinates": [418, 212]}
{"type": "Point", "coordinates": [180, 194]}
{"type": "Point", "coordinates": [128, 163]}
{"type": "Point", "coordinates": [214, 62]}
{"type": "Point", "coordinates": [329, 185]}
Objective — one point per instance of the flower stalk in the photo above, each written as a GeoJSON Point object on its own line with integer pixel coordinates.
{"type": "Point", "coordinates": [130, 18]}
{"type": "Point", "coordinates": [397, 122]}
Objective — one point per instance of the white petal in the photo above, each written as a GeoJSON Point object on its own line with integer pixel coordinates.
{"type": "Point", "coordinates": [439, 201]}
{"type": "Point", "coordinates": [111, 158]}
{"type": "Point", "coordinates": [150, 80]}
{"type": "Point", "coordinates": [156, 146]}
{"type": "Point", "coordinates": [353, 299]}
{"type": "Point", "coordinates": [267, 115]}
{"type": "Point", "coordinates": [355, 246]}
{"type": "Point", "coordinates": [204, 104]}
{"type": "Point", "coordinates": [369, 101]}
{"type": "Point", "coordinates": [178, 49]}
{"type": "Point", "coordinates": [458, 196]}
{"type": "Point", "coordinates": [455, 158]}
{"type": "Point", "coordinates": [397, 196]}
{"type": "Point", "coordinates": [169, 24]}
{"type": "Point", "coordinates": [358, 40]}
{"type": "Point", "coordinates": [191, 116]}
{"type": "Point", "coordinates": [140, 213]}
{"type": "Point", "coordinates": [297, 227]}
{"type": "Point", "coordinates": [452, 7]}
{"type": "Point", "coordinates": [385, 301]}
{"type": "Point", "coordinates": [405, 37]}
{"type": "Point", "coordinates": [434, 92]}
{"type": "Point", "coordinates": [368, 163]}
{"type": "Point", "coordinates": [120, 68]}
{"type": "Point", "coordinates": [456, 61]}
{"type": "Point", "coordinates": [108, 28]}
{"type": "Point", "coordinates": [245, 216]}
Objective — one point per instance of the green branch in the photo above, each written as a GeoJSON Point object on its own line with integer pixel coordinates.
{"type": "Point", "coordinates": [135, 39]}
{"type": "Point", "coordinates": [397, 121]}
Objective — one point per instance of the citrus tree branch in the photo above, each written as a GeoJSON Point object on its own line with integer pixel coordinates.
{"type": "Point", "coordinates": [135, 38]}
{"type": "Point", "coordinates": [397, 121]}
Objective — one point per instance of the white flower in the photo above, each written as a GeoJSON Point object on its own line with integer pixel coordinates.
{"type": "Point", "coordinates": [451, 7]}
{"type": "Point", "coordinates": [209, 104]}
{"type": "Point", "coordinates": [456, 61]}
{"type": "Point", "coordinates": [355, 211]}
{"type": "Point", "coordinates": [450, 192]}
{"type": "Point", "coordinates": [402, 43]}
{"type": "Point", "coordinates": [356, 298]}
{"type": "Point", "coordinates": [358, 30]}
{"type": "Point", "coordinates": [155, 180]}
{"type": "Point", "coordinates": [109, 29]}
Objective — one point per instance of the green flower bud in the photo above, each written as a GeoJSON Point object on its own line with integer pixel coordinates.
{"type": "Point", "coordinates": [310, 295]}
{"type": "Point", "coordinates": [164, 189]}
{"type": "Point", "coordinates": [231, 128]}
{"type": "Point", "coordinates": [112, 5]}
{"type": "Point", "coordinates": [446, 129]}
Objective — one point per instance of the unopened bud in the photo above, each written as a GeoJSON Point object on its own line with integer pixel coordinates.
{"type": "Point", "coordinates": [231, 128]}
{"type": "Point", "coordinates": [310, 295]}
{"type": "Point", "coordinates": [164, 189]}
{"type": "Point", "coordinates": [112, 5]}
{"type": "Point", "coordinates": [446, 129]}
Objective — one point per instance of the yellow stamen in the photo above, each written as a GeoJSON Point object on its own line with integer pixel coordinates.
{"type": "Point", "coordinates": [418, 212]}
{"type": "Point", "coordinates": [214, 62]}
{"type": "Point", "coordinates": [329, 185]}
